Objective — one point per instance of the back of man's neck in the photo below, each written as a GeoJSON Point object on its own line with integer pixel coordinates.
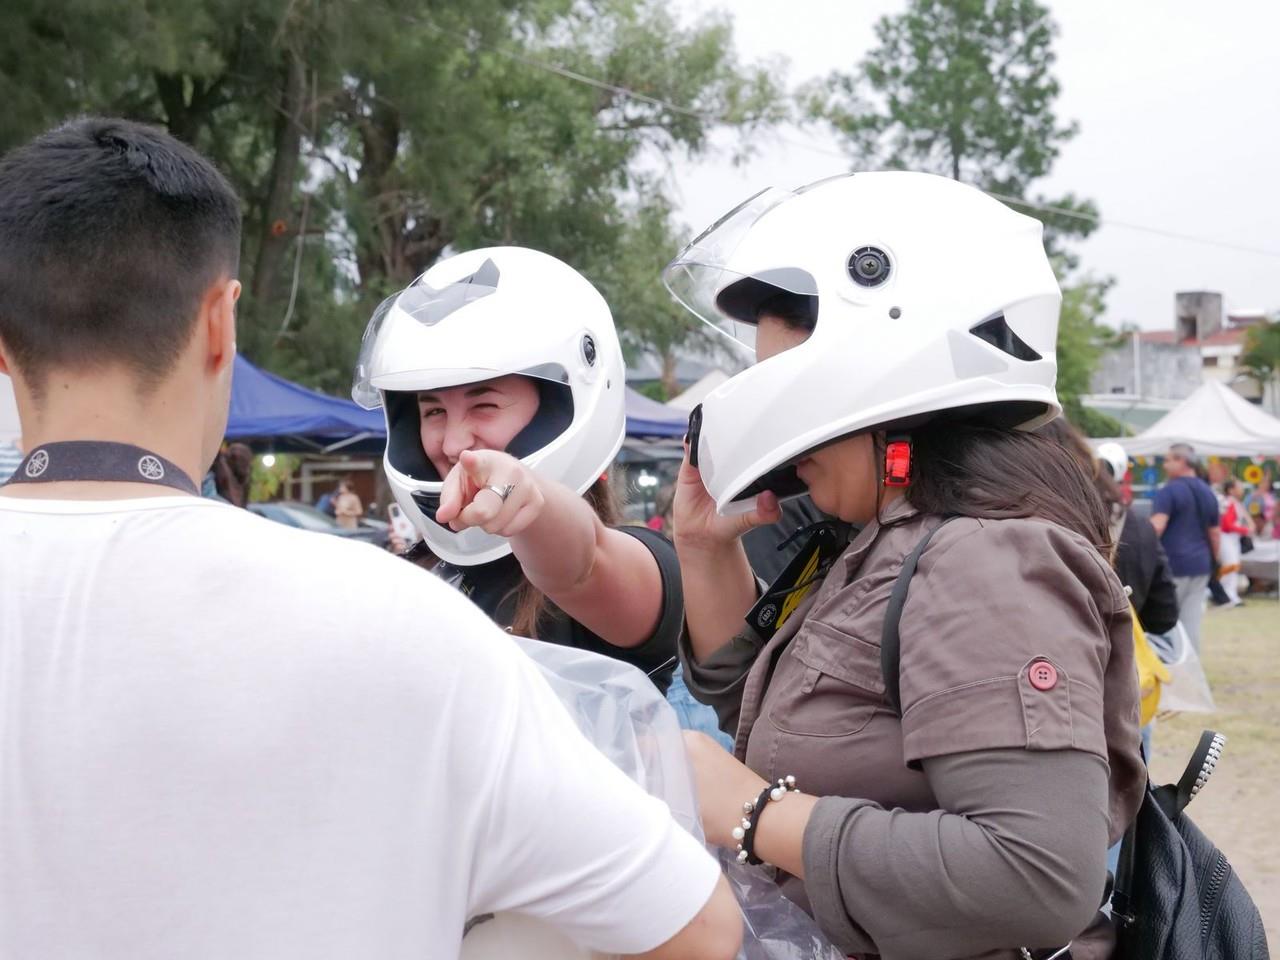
{"type": "Point", "coordinates": [104, 409]}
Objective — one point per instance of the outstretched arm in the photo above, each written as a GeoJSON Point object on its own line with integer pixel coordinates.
{"type": "Point", "coordinates": [607, 581]}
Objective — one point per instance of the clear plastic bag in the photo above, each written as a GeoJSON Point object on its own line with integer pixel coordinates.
{"type": "Point", "coordinates": [1188, 689]}
{"type": "Point", "coordinates": [626, 718]}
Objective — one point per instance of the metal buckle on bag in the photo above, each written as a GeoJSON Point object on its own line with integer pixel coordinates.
{"type": "Point", "coordinates": [1062, 953]}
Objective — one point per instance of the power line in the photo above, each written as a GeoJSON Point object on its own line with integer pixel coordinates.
{"type": "Point", "coordinates": [711, 118]}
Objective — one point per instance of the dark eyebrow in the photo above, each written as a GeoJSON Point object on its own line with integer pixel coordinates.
{"type": "Point", "coordinates": [473, 392]}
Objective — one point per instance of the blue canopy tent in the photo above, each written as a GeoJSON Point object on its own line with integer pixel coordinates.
{"type": "Point", "coordinates": [269, 410]}
{"type": "Point", "coordinates": [649, 418]}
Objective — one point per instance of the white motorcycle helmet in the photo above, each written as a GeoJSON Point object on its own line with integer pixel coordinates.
{"type": "Point", "coordinates": [483, 314]}
{"type": "Point", "coordinates": [1113, 456]}
{"type": "Point", "coordinates": [926, 296]}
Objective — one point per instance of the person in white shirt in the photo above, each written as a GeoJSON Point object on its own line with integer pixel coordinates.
{"type": "Point", "coordinates": [221, 737]}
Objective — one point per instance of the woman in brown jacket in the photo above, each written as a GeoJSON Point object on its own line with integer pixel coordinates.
{"type": "Point", "coordinates": [904, 327]}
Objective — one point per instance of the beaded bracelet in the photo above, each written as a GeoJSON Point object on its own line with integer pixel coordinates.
{"type": "Point", "coordinates": [745, 833]}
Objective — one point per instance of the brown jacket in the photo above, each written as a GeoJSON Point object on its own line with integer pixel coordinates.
{"type": "Point", "coordinates": [1016, 636]}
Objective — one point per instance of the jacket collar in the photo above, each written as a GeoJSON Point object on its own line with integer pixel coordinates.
{"type": "Point", "coordinates": [900, 511]}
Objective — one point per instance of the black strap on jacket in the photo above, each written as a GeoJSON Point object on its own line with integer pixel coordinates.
{"type": "Point", "coordinates": [890, 641]}
{"type": "Point", "coordinates": [101, 461]}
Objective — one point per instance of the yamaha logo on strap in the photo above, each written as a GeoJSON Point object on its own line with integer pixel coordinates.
{"type": "Point", "coordinates": [38, 464]}
{"type": "Point", "coordinates": [102, 461]}
{"type": "Point", "coordinates": [151, 468]}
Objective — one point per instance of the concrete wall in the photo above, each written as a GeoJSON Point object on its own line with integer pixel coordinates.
{"type": "Point", "coordinates": [1197, 314]}
{"type": "Point", "coordinates": [1167, 371]}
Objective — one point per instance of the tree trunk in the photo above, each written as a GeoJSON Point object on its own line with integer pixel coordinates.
{"type": "Point", "coordinates": [670, 385]}
{"type": "Point", "coordinates": [278, 206]}
{"type": "Point", "coordinates": [379, 238]}
{"type": "Point", "coordinates": [177, 115]}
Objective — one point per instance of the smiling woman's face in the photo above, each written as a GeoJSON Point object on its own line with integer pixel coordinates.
{"type": "Point", "coordinates": [475, 416]}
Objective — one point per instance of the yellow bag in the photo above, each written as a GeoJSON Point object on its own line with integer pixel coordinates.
{"type": "Point", "coordinates": [1152, 671]}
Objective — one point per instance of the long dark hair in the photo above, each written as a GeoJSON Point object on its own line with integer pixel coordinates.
{"type": "Point", "coordinates": [1061, 431]}
{"type": "Point", "coordinates": [975, 470]}
{"type": "Point", "coordinates": [233, 473]}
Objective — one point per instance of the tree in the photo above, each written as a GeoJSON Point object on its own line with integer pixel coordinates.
{"type": "Point", "coordinates": [368, 139]}
{"type": "Point", "coordinates": [965, 89]}
{"type": "Point", "coordinates": [648, 320]}
{"type": "Point", "coordinates": [1081, 340]}
{"type": "Point", "coordinates": [1261, 359]}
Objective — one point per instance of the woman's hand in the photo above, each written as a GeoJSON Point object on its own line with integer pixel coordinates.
{"type": "Point", "coordinates": [719, 587]}
{"type": "Point", "coordinates": [723, 786]}
{"type": "Point", "coordinates": [694, 519]}
{"type": "Point", "coordinates": [466, 499]}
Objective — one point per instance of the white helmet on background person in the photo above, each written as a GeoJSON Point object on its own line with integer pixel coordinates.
{"type": "Point", "coordinates": [476, 316]}
{"type": "Point", "coordinates": [1113, 458]}
{"type": "Point", "coordinates": [928, 298]}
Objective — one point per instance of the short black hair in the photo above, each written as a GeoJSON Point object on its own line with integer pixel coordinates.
{"type": "Point", "coordinates": [111, 232]}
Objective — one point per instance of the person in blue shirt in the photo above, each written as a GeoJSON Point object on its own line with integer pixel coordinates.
{"type": "Point", "coordinates": [1185, 515]}
{"type": "Point", "coordinates": [10, 457]}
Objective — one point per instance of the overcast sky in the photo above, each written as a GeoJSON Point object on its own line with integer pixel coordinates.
{"type": "Point", "coordinates": [1179, 109]}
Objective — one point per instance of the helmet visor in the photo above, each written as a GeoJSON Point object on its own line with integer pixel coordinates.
{"type": "Point", "coordinates": [703, 279]}
{"type": "Point", "coordinates": [422, 303]}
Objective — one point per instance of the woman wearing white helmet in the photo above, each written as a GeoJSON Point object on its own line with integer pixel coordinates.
{"type": "Point", "coordinates": [959, 796]}
{"type": "Point", "coordinates": [502, 380]}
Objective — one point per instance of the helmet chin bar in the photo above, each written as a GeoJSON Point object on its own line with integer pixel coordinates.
{"type": "Point", "coordinates": [784, 482]}
{"type": "Point", "coordinates": [428, 503]}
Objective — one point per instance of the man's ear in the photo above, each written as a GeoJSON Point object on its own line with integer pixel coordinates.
{"type": "Point", "coordinates": [218, 314]}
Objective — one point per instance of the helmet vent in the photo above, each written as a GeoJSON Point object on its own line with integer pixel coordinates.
{"type": "Point", "coordinates": [869, 266]}
{"type": "Point", "coordinates": [1000, 335]}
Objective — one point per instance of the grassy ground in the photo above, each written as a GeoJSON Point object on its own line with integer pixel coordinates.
{"type": "Point", "coordinates": [1238, 808]}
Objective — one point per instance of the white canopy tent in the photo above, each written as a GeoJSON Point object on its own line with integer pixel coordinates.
{"type": "Point", "coordinates": [9, 429]}
{"type": "Point", "coordinates": [1216, 421]}
{"type": "Point", "coordinates": [693, 396]}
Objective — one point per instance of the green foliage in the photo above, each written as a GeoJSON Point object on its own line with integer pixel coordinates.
{"type": "Point", "coordinates": [1081, 340]}
{"type": "Point", "coordinates": [265, 482]}
{"type": "Point", "coordinates": [369, 139]}
{"type": "Point", "coordinates": [965, 89]}
{"type": "Point", "coordinates": [654, 391]}
{"type": "Point", "coordinates": [1093, 423]}
{"type": "Point", "coordinates": [1261, 356]}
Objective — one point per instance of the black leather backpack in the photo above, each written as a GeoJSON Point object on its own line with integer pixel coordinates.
{"type": "Point", "coordinates": [1176, 896]}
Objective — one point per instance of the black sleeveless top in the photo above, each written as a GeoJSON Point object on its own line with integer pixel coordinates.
{"type": "Point", "coordinates": [493, 587]}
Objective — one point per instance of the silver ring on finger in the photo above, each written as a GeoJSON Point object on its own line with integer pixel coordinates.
{"type": "Point", "coordinates": [503, 490]}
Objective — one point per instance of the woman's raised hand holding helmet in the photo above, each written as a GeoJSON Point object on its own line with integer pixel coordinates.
{"type": "Point", "coordinates": [695, 522]}
{"type": "Point", "coordinates": [719, 587]}
{"type": "Point", "coordinates": [491, 490]}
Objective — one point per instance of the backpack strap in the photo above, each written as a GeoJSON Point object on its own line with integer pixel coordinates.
{"type": "Point", "coordinates": [1122, 886]}
{"type": "Point", "coordinates": [1173, 798]}
{"type": "Point", "coordinates": [890, 642]}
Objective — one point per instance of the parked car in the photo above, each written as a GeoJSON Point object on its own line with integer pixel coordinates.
{"type": "Point", "coordinates": [306, 517]}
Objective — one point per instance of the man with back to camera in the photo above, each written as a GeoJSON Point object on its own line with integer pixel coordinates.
{"type": "Point", "coordinates": [176, 785]}
{"type": "Point", "coordinates": [1185, 516]}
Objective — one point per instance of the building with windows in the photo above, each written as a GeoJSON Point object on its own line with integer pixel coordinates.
{"type": "Point", "coordinates": [1147, 372]}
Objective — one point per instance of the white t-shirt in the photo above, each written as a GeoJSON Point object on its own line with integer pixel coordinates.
{"type": "Point", "coordinates": [222, 737]}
